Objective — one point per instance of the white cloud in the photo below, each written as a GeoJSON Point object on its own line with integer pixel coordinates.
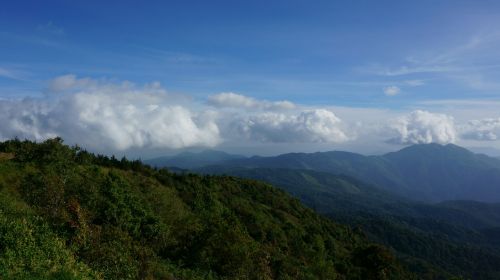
{"type": "Point", "coordinates": [70, 82]}
{"type": "Point", "coordinates": [318, 125]}
{"type": "Point", "coordinates": [407, 70]}
{"type": "Point", "coordinates": [106, 115]}
{"type": "Point", "coordinates": [422, 127]}
{"type": "Point", "coordinates": [233, 100]}
{"type": "Point", "coordinates": [25, 119]}
{"type": "Point", "coordinates": [415, 83]}
{"type": "Point", "coordinates": [103, 115]}
{"type": "Point", "coordinates": [483, 130]}
{"type": "Point", "coordinates": [392, 90]}
{"type": "Point", "coordinates": [118, 116]}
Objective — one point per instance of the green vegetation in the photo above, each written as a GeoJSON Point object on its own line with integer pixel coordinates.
{"type": "Point", "coordinates": [68, 214]}
{"type": "Point", "coordinates": [430, 248]}
{"type": "Point", "coordinates": [434, 241]}
{"type": "Point", "coordinates": [321, 191]}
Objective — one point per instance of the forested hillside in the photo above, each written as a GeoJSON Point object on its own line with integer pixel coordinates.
{"type": "Point", "coordinates": [68, 214]}
{"type": "Point", "coordinates": [433, 240]}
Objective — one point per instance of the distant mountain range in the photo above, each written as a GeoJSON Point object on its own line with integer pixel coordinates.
{"type": "Point", "coordinates": [427, 172]}
{"type": "Point", "coordinates": [189, 160]}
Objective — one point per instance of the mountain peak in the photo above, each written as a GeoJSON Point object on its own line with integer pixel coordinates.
{"type": "Point", "coordinates": [430, 149]}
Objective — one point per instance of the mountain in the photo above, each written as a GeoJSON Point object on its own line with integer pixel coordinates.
{"type": "Point", "coordinates": [465, 233]}
{"type": "Point", "coordinates": [188, 160]}
{"type": "Point", "coordinates": [69, 214]}
{"type": "Point", "coordinates": [427, 172]}
{"type": "Point", "coordinates": [448, 172]}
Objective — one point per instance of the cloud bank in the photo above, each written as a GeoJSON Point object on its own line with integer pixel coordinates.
{"type": "Point", "coordinates": [482, 130]}
{"type": "Point", "coordinates": [99, 114]}
{"type": "Point", "coordinates": [319, 125]}
{"type": "Point", "coordinates": [104, 115]}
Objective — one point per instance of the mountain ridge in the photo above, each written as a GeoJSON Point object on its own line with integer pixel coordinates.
{"type": "Point", "coordinates": [427, 172]}
{"type": "Point", "coordinates": [192, 159]}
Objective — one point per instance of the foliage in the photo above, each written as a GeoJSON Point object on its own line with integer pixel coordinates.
{"type": "Point", "coordinates": [68, 214]}
{"type": "Point", "coordinates": [434, 241]}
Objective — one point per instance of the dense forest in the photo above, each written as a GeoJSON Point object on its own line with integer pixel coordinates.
{"type": "Point", "coordinates": [68, 214]}
{"type": "Point", "coordinates": [432, 240]}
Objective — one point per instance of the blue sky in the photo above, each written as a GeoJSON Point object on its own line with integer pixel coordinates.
{"type": "Point", "coordinates": [301, 50]}
{"type": "Point", "coordinates": [396, 56]}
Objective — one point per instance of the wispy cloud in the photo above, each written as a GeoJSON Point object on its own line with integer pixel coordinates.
{"type": "Point", "coordinates": [417, 69]}
{"type": "Point", "coordinates": [176, 57]}
{"type": "Point", "coordinates": [35, 38]}
{"type": "Point", "coordinates": [477, 80]}
{"type": "Point", "coordinates": [5, 73]}
{"type": "Point", "coordinates": [50, 28]}
{"type": "Point", "coordinates": [414, 83]}
{"type": "Point", "coordinates": [238, 101]}
{"type": "Point", "coordinates": [472, 65]}
{"type": "Point", "coordinates": [12, 73]}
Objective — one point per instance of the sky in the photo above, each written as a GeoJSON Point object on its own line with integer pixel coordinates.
{"type": "Point", "coordinates": [144, 78]}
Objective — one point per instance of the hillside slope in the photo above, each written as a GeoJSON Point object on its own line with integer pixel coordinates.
{"type": "Point", "coordinates": [455, 237]}
{"type": "Point", "coordinates": [67, 214]}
